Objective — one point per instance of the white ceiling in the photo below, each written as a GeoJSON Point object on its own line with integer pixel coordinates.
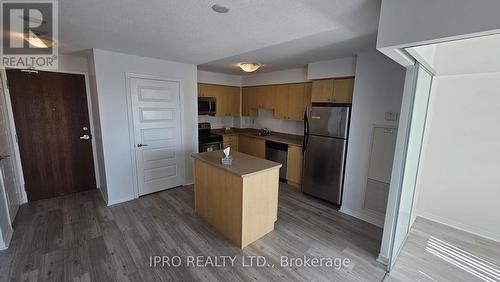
{"type": "Point", "coordinates": [278, 33]}
{"type": "Point", "coordinates": [466, 56]}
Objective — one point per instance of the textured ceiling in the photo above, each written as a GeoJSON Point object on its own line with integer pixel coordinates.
{"type": "Point", "coordinates": [277, 33]}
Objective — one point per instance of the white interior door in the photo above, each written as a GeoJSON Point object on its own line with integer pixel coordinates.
{"type": "Point", "coordinates": [156, 111]}
{"type": "Point", "coordinates": [7, 176]}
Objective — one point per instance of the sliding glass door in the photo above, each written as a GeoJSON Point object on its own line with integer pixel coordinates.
{"type": "Point", "coordinates": [413, 148]}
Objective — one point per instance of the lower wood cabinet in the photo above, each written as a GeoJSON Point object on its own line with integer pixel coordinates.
{"type": "Point", "coordinates": [257, 148]}
{"type": "Point", "coordinates": [253, 146]}
{"type": "Point", "coordinates": [294, 166]}
{"type": "Point", "coordinates": [231, 141]}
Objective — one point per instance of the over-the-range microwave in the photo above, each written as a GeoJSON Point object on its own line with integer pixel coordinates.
{"type": "Point", "coordinates": [206, 106]}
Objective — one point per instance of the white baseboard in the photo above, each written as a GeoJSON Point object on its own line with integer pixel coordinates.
{"type": "Point", "coordinates": [104, 197]}
{"type": "Point", "coordinates": [365, 215]}
{"type": "Point", "coordinates": [123, 200]}
{"type": "Point", "coordinates": [460, 226]}
{"type": "Point", "coordinates": [383, 259]}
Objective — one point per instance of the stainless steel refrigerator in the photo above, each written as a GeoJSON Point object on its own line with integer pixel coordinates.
{"type": "Point", "coordinates": [326, 131]}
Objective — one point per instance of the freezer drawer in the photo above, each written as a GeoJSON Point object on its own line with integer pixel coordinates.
{"type": "Point", "coordinates": [324, 168]}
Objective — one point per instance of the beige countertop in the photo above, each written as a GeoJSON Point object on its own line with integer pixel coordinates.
{"type": "Point", "coordinates": [289, 139]}
{"type": "Point", "coordinates": [243, 165]}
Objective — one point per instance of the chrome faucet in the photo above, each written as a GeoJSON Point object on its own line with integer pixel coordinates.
{"type": "Point", "coordinates": [265, 132]}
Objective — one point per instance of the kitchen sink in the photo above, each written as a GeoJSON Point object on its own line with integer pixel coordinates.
{"type": "Point", "coordinates": [261, 134]}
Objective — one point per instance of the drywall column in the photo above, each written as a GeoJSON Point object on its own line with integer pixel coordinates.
{"type": "Point", "coordinates": [378, 89]}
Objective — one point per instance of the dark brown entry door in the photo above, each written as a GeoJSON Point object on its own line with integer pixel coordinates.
{"type": "Point", "coordinates": [51, 115]}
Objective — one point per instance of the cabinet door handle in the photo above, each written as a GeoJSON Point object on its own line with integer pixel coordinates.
{"type": "Point", "coordinates": [142, 145]}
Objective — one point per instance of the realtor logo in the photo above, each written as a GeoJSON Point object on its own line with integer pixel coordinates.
{"type": "Point", "coordinates": [29, 34]}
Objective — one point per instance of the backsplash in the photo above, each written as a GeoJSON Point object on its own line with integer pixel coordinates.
{"type": "Point", "coordinates": [266, 120]}
{"type": "Point", "coordinates": [218, 122]}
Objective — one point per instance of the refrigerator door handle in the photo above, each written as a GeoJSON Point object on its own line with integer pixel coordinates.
{"type": "Point", "coordinates": [306, 132]}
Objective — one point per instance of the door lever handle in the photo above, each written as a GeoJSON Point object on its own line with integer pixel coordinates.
{"type": "Point", "coordinates": [4, 157]}
{"type": "Point", "coordinates": [142, 145]}
{"type": "Point", "coordinates": [85, 137]}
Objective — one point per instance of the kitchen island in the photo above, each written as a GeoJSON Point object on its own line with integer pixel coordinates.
{"type": "Point", "coordinates": [240, 200]}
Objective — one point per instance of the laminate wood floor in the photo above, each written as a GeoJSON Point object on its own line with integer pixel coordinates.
{"type": "Point", "coordinates": [78, 238]}
{"type": "Point", "coordinates": [436, 252]}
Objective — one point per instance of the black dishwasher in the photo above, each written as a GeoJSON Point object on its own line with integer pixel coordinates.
{"type": "Point", "coordinates": [278, 152]}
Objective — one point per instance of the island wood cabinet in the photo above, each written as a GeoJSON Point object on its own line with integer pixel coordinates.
{"type": "Point", "coordinates": [252, 146]}
{"type": "Point", "coordinates": [241, 200]}
{"type": "Point", "coordinates": [227, 98]}
{"type": "Point", "coordinates": [332, 90]}
{"type": "Point", "coordinates": [288, 101]}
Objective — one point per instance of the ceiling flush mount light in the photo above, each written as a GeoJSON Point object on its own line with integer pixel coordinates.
{"type": "Point", "coordinates": [249, 67]}
{"type": "Point", "coordinates": [220, 9]}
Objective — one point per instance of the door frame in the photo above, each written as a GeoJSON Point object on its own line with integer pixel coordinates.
{"type": "Point", "coordinates": [131, 127]}
{"type": "Point", "coordinates": [12, 129]}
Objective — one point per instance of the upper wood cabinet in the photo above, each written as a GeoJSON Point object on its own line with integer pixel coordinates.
{"type": "Point", "coordinates": [248, 102]}
{"type": "Point", "coordinates": [343, 90]}
{"type": "Point", "coordinates": [227, 98]}
{"type": "Point", "coordinates": [288, 101]}
{"type": "Point", "coordinates": [322, 90]}
{"type": "Point", "coordinates": [264, 96]}
{"type": "Point", "coordinates": [299, 98]}
{"type": "Point", "coordinates": [207, 90]}
{"type": "Point", "coordinates": [332, 90]}
{"type": "Point", "coordinates": [281, 96]}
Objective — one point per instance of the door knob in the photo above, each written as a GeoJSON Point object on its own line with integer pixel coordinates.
{"type": "Point", "coordinates": [85, 137]}
{"type": "Point", "coordinates": [142, 145]}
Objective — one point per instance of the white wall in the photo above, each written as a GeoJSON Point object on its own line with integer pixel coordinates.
{"type": "Point", "coordinates": [5, 226]}
{"type": "Point", "coordinates": [276, 77]}
{"type": "Point", "coordinates": [334, 68]}
{"type": "Point", "coordinates": [407, 23]}
{"type": "Point", "coordinates": [218, 78]}
{"type": "Point", "coordinates": [458, 181]}
{"type": "Point", "coordinates": [97, 136]}
{"type": "Point", "coordinates": [110, 73]}
{"type": "Point", "coordinates": [73, 63]}
{"type": "Point", "coordinates": [378, 89]}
